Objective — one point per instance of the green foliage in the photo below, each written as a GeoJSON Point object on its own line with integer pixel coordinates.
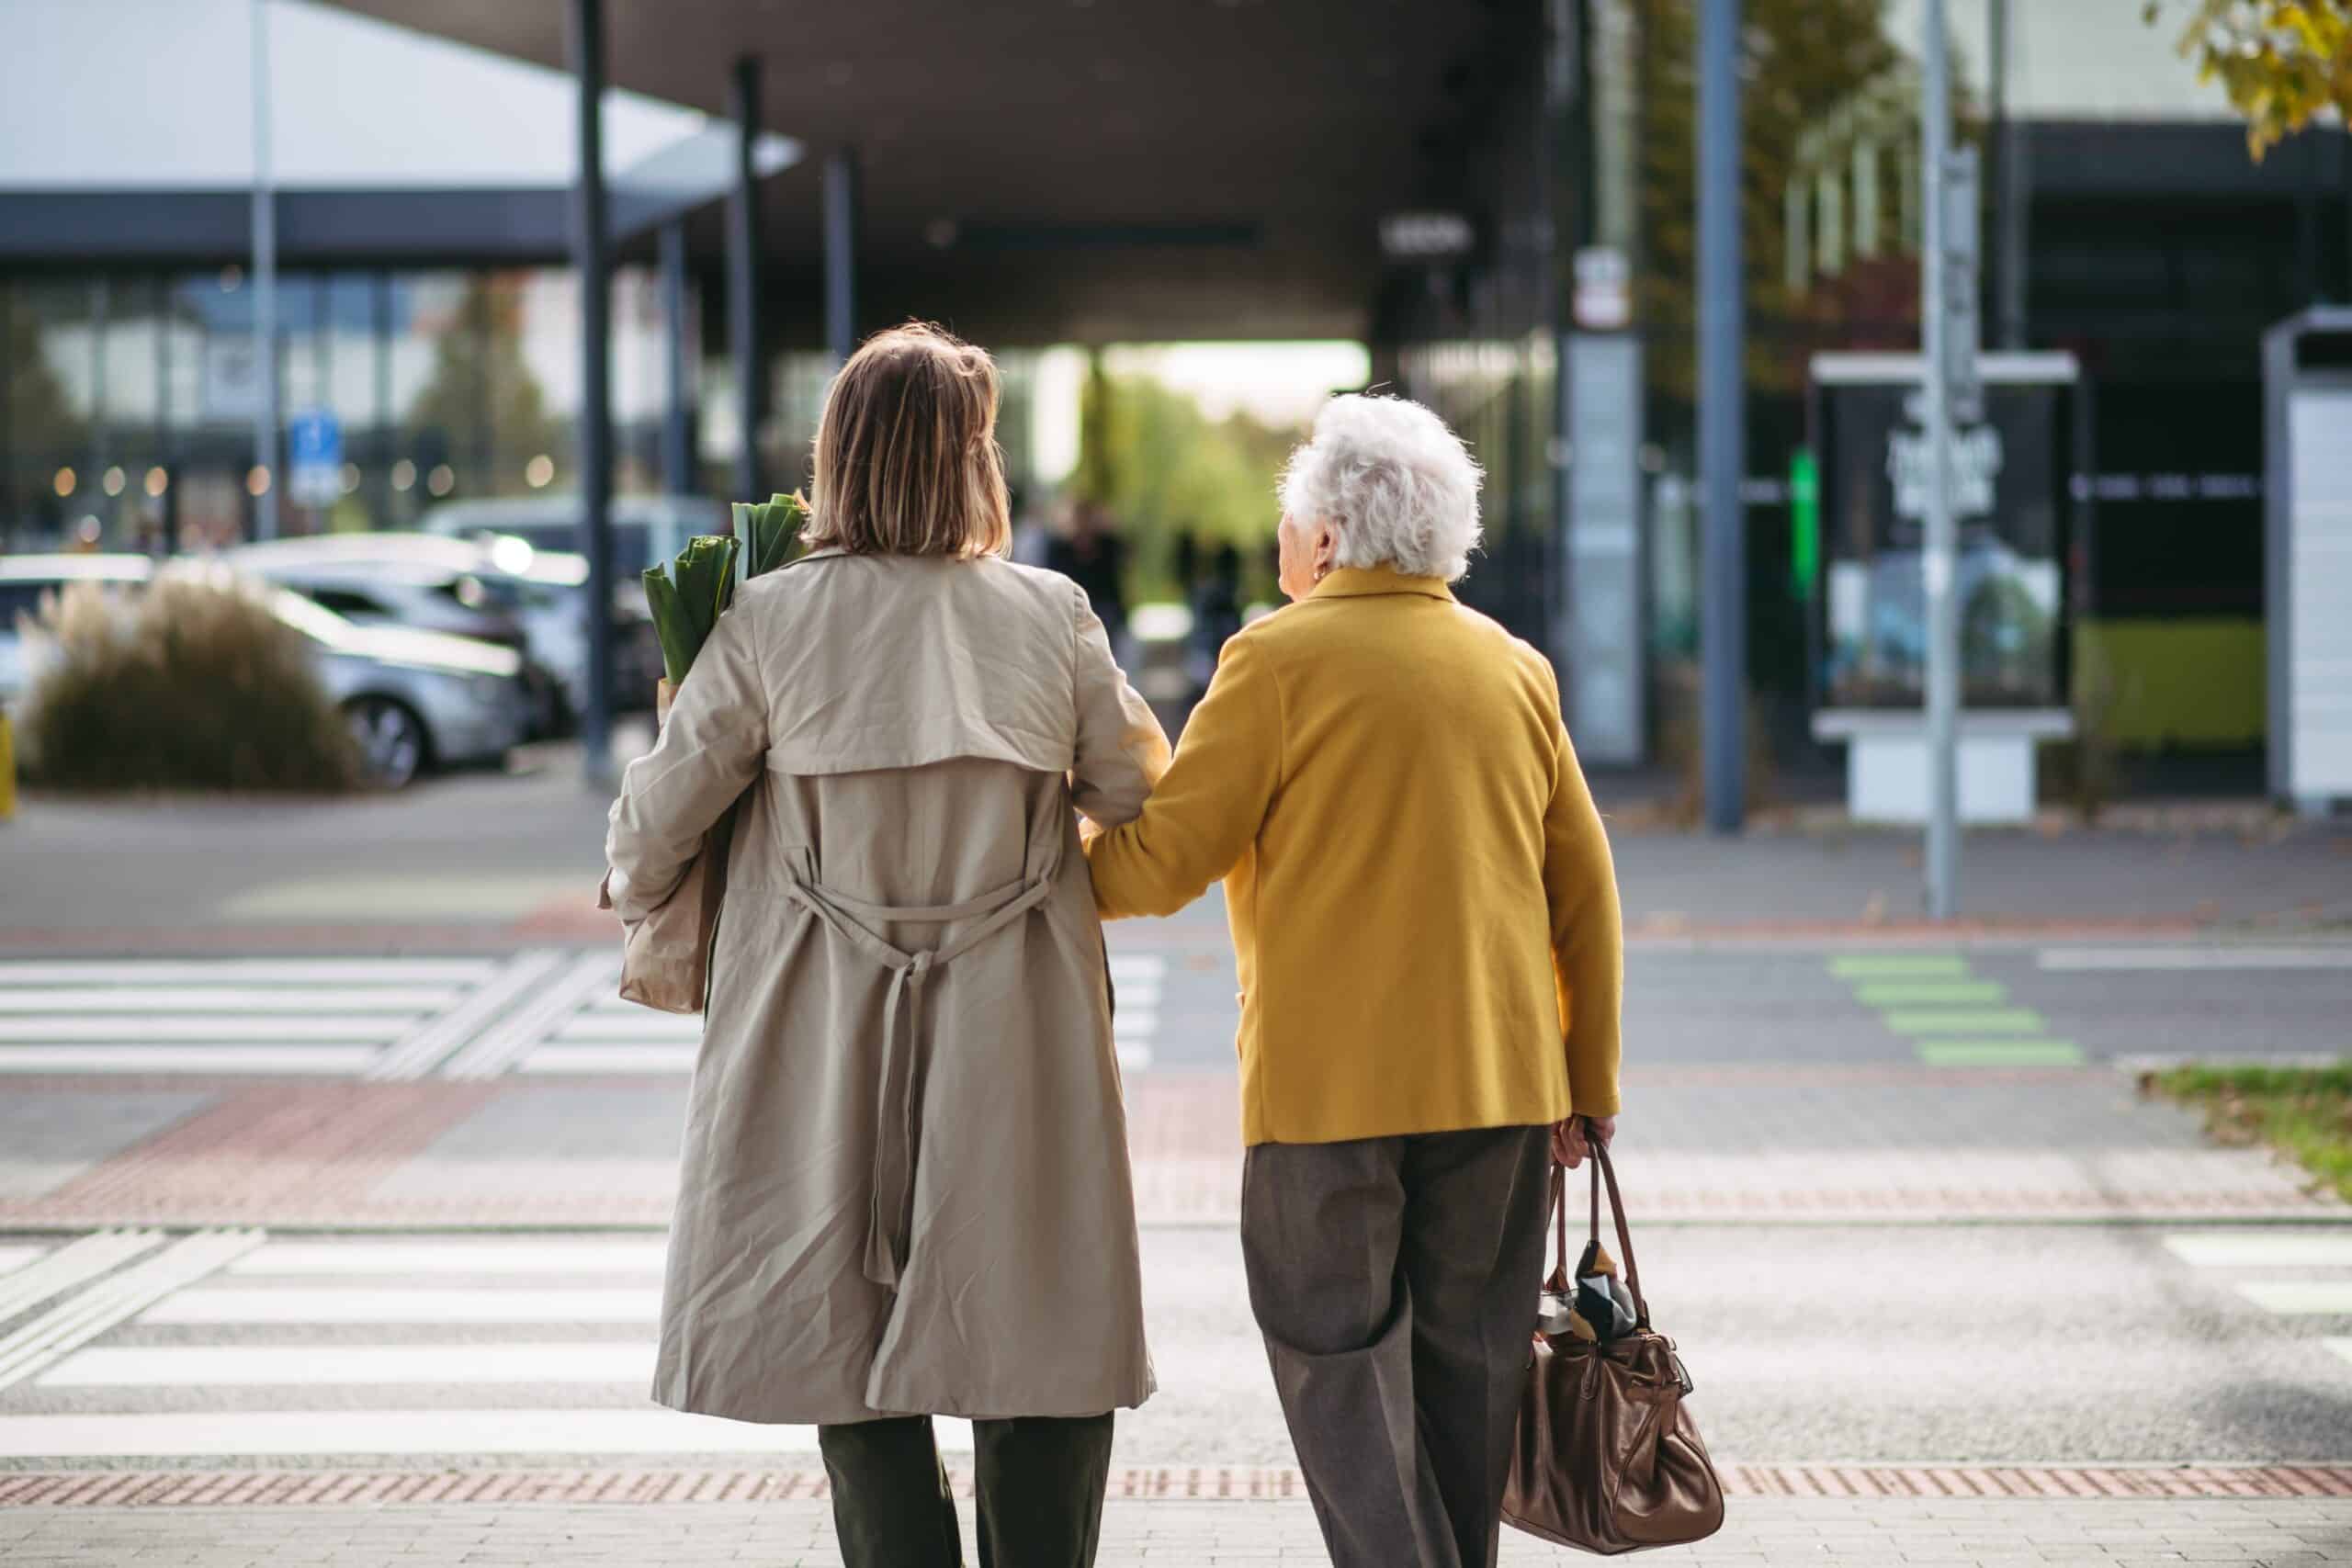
{"type": "Point", "coordinates": [689, 595]}
{"type": "Point", "coordinates": [41, 414]}
{"type": "Point", "coordinates": [1166, 471]}
{"type": "Point", "coordinates": [195, 684]}
{"type": "Point", "coordinates": [481, 382]}
{"type": "Point", "coordinates": [687, 598]}
{"type": "Point", "coordinates": [1800, 60]}
{"type": "Point", "coordinates": [2282, 61]}
{"type": "Point", "coordinates": [2304, 1111]}
{"type": "Point", "coordinates": [770, 530]}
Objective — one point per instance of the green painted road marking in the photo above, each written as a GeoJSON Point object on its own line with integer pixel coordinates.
{"type": "Point", "coordinates": [1890, 965]}
{"type": "Point", "coordinates": [2000, 1053]}
{"type": "Point", "coordinates": [1932, 993]}
{"type": "Point", "coordinates": [1947, 1022]}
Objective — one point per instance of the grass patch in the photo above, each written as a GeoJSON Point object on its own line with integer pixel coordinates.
{"type": "Point", "coordinates": [2305, 1113]}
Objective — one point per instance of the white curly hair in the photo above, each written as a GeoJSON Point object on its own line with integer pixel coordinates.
{"type": "Point", "coordinates": [1399, 487]}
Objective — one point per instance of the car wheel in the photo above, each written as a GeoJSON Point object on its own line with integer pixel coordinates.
{"type": "Point", "coordinates": [391, 741]}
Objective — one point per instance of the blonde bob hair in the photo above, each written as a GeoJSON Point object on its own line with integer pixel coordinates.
{"type": "Point", "coordinates": [907, 460]}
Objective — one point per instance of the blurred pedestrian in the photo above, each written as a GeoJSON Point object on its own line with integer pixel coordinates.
{"type": "Point", "coordinates": [1426, 922]}
{"type": "Point", "coordinates": [1093, 556]}
{"type": "Point", "coordinates": [1215, 603]}
{"type": "Point", "coordinates": [905, 1189]}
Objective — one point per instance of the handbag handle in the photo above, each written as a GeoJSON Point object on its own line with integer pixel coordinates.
{"type": "Point", "coordinates": [1601, 1169]}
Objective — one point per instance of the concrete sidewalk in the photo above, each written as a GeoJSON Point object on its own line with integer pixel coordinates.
{"type": "Point", "coordinates": [1759, 1533]}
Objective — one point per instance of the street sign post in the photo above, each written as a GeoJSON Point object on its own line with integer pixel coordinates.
{"type": "Point", "coordinates": [1964, 330]}
{"type": "Point", "coordinates": [314, 458]}
{"type": "Point", "coordinates": [1946, 311]}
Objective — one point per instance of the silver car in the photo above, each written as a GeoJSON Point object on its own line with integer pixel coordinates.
{"type": "Point", "coordinates": [646, 529]}
{"type": "Point", "coordinates": [414, 699]}
{"type": "Point", "coordinates": [500, 588]}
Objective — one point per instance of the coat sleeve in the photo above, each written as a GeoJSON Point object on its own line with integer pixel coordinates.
{"type": "Point", "coordinates": [1121, 750]}
{"type": "Point", "coordinates": [709, 751]}
{"type": "Point", "coordinates": [1205, 813]}
{"type": "Point", "coordinates": [1587, 933]}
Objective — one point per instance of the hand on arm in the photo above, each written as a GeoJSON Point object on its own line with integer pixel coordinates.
{"type": "Point", "coordinates": [1205, 812]}
{"type": "Point", "coordinates": [711, 744]}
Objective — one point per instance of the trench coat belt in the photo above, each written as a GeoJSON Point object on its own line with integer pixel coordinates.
{"type": "Point", "coordinates": [899, 1120]}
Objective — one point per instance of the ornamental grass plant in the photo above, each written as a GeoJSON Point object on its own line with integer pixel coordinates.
{"type": "Point", "coordinates": [189, 683]}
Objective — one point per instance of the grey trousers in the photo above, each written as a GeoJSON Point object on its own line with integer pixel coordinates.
{"type": "Point", "coordinates": [1395, 1281]}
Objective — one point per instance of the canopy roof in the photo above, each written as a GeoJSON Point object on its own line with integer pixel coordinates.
{"type": "Point", "coordinates": [1078, 169]}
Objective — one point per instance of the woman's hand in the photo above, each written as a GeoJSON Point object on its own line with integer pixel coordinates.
{"type": "Point", "coordinates": [1574, 1138]}
{"type": "Point", "coordinates": [663, 693]}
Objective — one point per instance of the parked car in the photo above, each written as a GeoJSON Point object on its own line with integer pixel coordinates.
{"type": "Point", "coordinates": [646, 529]}
{"type": "Point", "coordinates": [531, 590]}
{"type": "Point", "coordinates": [414, 699]}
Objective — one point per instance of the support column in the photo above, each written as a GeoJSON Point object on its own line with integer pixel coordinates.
{"type": "Point", "coordinates": [265, 246]}
{"type": "Point", "coordinates": [591, 261]}
{"type": "Point", "coordinates": [743, 280]}
{"type": "Point", "coordinates": [841, 254]}
{"type": "Point", "coordinates": [677, 415]}
{"type": "Point", "coordinates": [1721, 422]}
{"type": "Point", "coordinates": [2012, 186]}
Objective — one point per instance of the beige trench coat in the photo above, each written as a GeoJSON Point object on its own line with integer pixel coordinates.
{"type": "Point", "coordinates": [905, 1184]}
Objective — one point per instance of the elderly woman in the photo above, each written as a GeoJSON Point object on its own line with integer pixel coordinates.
{"type": "Point", "coordinates": [1425, 920]}
{"type": "Point", "coordinates": [905, 1189]}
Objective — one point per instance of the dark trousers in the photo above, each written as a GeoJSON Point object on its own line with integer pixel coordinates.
{"type": "Point", "coordinates": [1038, 1483]}
{"type": "Point", "coordinates": [1396, 1283]}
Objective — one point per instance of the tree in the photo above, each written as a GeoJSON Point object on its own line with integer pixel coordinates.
{"type": "Point", "coordinates": [1167, 471]}
{"type": "Point", "coordinates": [482, 403]}
{"type": "Point", "coordinates": [1801, 60]}
{"type": "Point", "coordinates": [2283, 62]}
{"type": "Point", "coordinates": [37, 419]}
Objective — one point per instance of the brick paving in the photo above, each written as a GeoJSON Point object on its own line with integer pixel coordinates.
{"type": "Point", "coordinates": [1157, 1483]}
{"type": "Point", "coordinates": [1759, 1533]}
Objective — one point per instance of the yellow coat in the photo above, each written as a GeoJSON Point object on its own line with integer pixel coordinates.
{"type": "Point", "coordinates": [1423, 908]}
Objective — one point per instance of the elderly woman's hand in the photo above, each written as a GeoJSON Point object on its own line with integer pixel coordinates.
{"type": "Point", "coordinates": [1573, 1139]}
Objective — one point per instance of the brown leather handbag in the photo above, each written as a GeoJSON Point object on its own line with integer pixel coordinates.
{"type": "Point", "coordinates": [1606, 1458]}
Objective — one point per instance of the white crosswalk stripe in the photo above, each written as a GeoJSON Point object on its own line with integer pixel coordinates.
{"type": "Point", "coordinates": [542, 1011]}
{"type": "Point", "coordinates": [2218, 956]}
{"type": "Point", "coordinates": [555, 1366]}
{"type": "Point", "coordinates": [611, 1036]}
{"type": "Point", "coordinates": [2321, 1259]}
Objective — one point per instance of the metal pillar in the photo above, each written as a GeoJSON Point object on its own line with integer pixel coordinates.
{"type": "Point", "coordinates": [677, 415]}
{"type": "Point", "coordinates": [743, 279]}
{"type": "Point", "coordinates": [592, 263]}
{"type": "Point", "coordinates": [2011, 184]}
{"type": "Point", "coordinates": [841, 254]}
{"type": "Point", "coordinates": [265, 244]}
{"type": "Point", "coordinates": [1722, 420]}
{"type": "Point", "coordinates": [1939, 562]}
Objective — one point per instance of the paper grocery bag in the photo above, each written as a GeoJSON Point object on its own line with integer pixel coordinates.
{"type": "Point", "coordinates": [665, 957]}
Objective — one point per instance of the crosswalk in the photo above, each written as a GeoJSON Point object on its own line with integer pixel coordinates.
{"type": "Point", "coordinates": [542, 1010]}
{"type": "Point", "coordinates": [1952, 1017]}
{"type": "Point", "coordinates": [2295, 1274]}
{"type": "Point", "coordinates": [490, 1344]}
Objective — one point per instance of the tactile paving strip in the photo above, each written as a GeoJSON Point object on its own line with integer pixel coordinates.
{"type": "Point", "coordinates": [116, 1488]}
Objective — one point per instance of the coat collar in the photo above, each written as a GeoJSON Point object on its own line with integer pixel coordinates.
{"type": "Point", "coordinates": [1363, 582]}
